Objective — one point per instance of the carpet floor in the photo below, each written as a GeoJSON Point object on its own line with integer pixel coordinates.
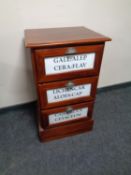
{"type": "Point", "coordinates": [104, 151]}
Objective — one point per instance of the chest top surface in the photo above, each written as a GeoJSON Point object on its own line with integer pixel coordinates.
{"type": "Point", "coordinates": [61, 36]}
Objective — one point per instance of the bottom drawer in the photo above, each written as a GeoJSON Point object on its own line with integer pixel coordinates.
{"type": "Point", "coordinates": [66, 115]}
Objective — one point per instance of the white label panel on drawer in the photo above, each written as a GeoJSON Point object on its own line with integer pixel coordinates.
{"type": "Point", "coordinates": [68, 63]}
{"type": "Point", "coordinates": [61, 94]}
{"type": "Point", "coordinates": [64, 116]}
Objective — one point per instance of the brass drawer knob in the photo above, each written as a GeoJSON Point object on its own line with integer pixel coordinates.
{"type": "Point", "coordinates": [70, 50]}
{"type": "Point", "coordinates": [69, 110]}
{"type": "Point", "coordinates": [70, 84]}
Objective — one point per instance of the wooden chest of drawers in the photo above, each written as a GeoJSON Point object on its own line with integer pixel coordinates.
{"type": "Point", "coordinates": [66, 63]}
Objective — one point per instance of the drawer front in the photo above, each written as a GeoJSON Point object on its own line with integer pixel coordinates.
{"type": "Point", "coordinates": [67, 92]}
{"type": "Point", "coordinates": [66, 115]}
{"type": "Point", "coordinates": [68, 62]}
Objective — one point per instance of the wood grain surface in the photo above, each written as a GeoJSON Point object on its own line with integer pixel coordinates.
{"type": "Point", "coordinates": [61, 36]}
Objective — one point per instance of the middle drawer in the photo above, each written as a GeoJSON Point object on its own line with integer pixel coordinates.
{"type": "Point", "coordinates": [67, 92]}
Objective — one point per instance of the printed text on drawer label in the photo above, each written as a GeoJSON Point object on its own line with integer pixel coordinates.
{"type": "Point", "coordinates": [68, 63]}
{"type": "Point", "coordinates": [64, 116]}
{"type": "Point", "coordinates": [61, 94]}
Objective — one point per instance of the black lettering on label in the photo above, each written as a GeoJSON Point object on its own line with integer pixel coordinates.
{"type": "Point", "coordinates": [69, 95]}
{"type": "Point", "coordinates": [70, 58]}
{"type": "Point", "coordinates": [56, 68]}
{"type": "Point", "coordinates": [56, 97]}
{"type": "Point", "coordinates": [59, 117]}
{"type": "Point", "coordinates": [70, 66]}
{"type": "Point", "coordinates": [83, 64]}
{"type": "Point", "coordinates": [70, 116]}
{"type": "Point", "coordinates": [81, 87]}
{"type": "Point", "coordinates": [55, 60]}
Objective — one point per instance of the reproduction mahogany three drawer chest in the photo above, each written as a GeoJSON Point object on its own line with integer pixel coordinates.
{"type": "Point", "coordinates": [66, 64]}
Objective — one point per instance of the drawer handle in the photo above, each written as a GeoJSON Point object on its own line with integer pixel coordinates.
{"type": "Point", "coordinates": [69, 110]}
{"type": "Point", "coordinates": [70, 84]}
{"type": "Point", "coordinates": [70, 50]}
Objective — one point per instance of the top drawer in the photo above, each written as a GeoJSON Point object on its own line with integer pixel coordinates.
{"type": "Point", "coordinates": [68, 62]}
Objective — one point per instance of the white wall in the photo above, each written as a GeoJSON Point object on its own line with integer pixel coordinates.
{"type": "Point", "coordinates": [109, 17]}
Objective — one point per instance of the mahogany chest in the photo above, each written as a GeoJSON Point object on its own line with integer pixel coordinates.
{"type": "Point", "coordinates": [66, 64]}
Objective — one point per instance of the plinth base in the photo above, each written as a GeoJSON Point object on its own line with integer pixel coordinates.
{"type": "Point", "coordinates": [64, 131]}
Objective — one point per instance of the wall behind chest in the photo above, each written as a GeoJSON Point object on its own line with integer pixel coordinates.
{"type": "Point", "coordinates": [109, 17]}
